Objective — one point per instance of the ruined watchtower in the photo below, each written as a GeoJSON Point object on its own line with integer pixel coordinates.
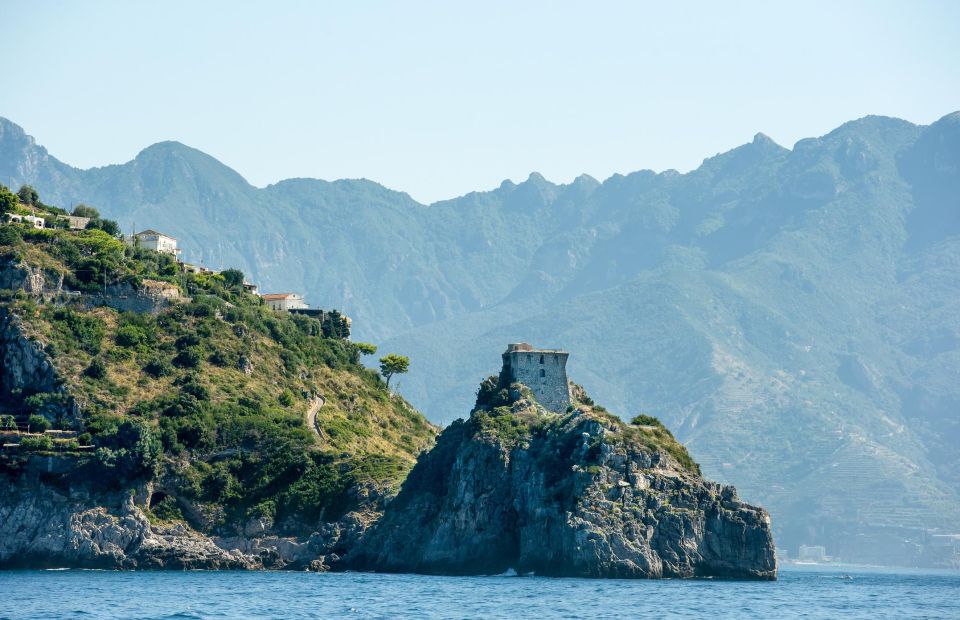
{"type": "Point", "coordinates": [544, 371]}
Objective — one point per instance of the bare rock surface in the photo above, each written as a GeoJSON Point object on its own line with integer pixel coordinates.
{"type": "Point", "coordinates": [40, 527]}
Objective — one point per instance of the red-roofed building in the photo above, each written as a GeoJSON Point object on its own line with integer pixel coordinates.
{"type": "Point", "coordinates": [284, 302]}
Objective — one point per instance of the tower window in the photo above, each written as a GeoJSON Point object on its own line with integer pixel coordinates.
{"type": "Point", "coordinates": [541, 359]}
{"type": "Point", "coordinates": [543, 373]}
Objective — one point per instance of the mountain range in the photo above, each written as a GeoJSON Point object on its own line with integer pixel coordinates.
{"type": "Point", "coordinates": [792, 314]}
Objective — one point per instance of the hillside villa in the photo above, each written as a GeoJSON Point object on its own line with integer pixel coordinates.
{"type": "Point", "coordinates": [284, 302]}
{"type": "Point", "coordinates": [37, 222]}
{"type": "Point", "coordinates": [153, 240]}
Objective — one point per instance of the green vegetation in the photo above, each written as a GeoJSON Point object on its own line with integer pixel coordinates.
{"type": "Point", "coordinates": [366, 348]}
{"type": "Point", "coordinates": [82, 210]}
{"type": "Point", "coordinates": [37, 423]}
{"type": "Point", "coordinates": [646, 420]}
{"type": "Point", "coordinates": [494, 418]}
{"type": "Point", "coordinates": [393, 364]}
{"type": "Point", "coordinates": [166, 510]}
{"type": "Point", "coordinates": [210, 392]}
{"type": "Point", "coordinates": [36, 444]}
{"type": "Point", "coordinates": [28, 195]}
{"type": "Point", "coordinates": [8, 200]}
{"type": "Point", "coordinates": [659, 438]}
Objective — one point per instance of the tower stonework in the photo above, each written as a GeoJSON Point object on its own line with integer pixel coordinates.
{"type": "Point", "coordinates": [544, 371]}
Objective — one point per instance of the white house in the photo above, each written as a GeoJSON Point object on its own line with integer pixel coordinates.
{"type": "Point", "coordinates": [152, 240]}
{"type": "Point", "coordinates": [284, 302]}
{"type": "Point", "coordinates": [37, 222]}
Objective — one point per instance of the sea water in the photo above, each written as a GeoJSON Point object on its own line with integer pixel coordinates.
{"type": "Point", "coordinates": [809, 592]}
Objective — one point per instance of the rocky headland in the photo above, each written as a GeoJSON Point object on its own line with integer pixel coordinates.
{"type": "Point", "coordinates": [578, 493]}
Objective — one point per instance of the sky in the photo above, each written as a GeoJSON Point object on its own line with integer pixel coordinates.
{"type": "Point", "coordinates": [442, 98]}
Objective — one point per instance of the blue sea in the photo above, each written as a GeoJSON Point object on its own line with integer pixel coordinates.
{"type": "Point", "coordinates": [801, 592]}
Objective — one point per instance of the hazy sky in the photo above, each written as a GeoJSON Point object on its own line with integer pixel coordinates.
{"type": "Point", "coordinates": [440, 98]}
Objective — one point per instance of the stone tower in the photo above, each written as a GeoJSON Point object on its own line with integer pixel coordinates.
{"type": "Point", "coordinates": [544, 371]}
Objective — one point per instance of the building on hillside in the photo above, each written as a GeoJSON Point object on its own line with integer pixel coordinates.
{"type": "Point", "coordinates": [544, 371]}
{"type": "Point", "coordinates": [189, 268]}
{"type": "Point", "coordinates": [159, 289]}
{"type": "Point", "coordinates": [159, 242]}
{"type": "Point", "coordinates": [36, 222]}
{"type": "Point", "coordinates": [251, 288]}
{"type": "Point", "coordinates": [316, 313]}
{"type": "Point", "coordinates": [77, 223]}
{"type": "Point", "coordinates": [322, 315]}
{"type": "Point", "coordinates": [284, 302]}
{"type": "Point", "coordinates": [813, 553]}
{"type": "Point", "coordinates": [334, 324]}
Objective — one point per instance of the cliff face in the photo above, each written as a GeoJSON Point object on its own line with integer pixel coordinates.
{"type": "Point", "coordinates": [51, 526]}
{"type": "Point", "coordinates": [580, 494]}
{"type": "Point", "coordinates": [33, 280]}
{"type": "Point", "coordinates": [41, 527]}
{"type": "Point", "coordinates": [25, 364]}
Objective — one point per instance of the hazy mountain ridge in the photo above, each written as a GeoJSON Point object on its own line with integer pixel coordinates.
{"type": "Point", "coordinates": [793, 313]}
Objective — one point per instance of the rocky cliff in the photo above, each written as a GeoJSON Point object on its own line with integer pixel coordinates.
{"type": "Point", "coordinates": [17, 275]}
{"type": "Point", "coordinates": [577, 494]}
{"type": "Point", "coordinates": [45, 523]}
{"type": "Point", "coordinates": [25, 364]}
{"type": "Point", "coordinates": [43, 527]}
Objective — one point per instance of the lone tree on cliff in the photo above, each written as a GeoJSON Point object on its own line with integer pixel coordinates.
{"type": "Point", "coordinates": [393, 364]}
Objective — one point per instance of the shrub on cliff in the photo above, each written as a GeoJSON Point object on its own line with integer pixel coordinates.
{"type": "Point", "coordinates": [128, 450]}
{"type": "Point", "coordinates": [48, 405]}
{"type": "Point", "coordinates": [167, 510]}
{"type": "Point", "coordinates": [36, 444]}
{"type": "Point", "coordinates": [8, 200]}
{"type": "Point", "coordinates": [9, 235]}
{"type": "Point", "coordinates": [96, 370]}
{"type": "Point", "coordinates": [130, 336]}
{"type": "Point", "coordinates": [76, 330]}
{"type": "Point", "coordinates": [158, 367]}
{"type": "Point", "coordinates": [190, 357]}
{"type": "Point", "coordinates": [491, 394]}
{"type": "Point", "coordinates": [38, 424]}
{"type": "Point", "coordinates": [646, 420]}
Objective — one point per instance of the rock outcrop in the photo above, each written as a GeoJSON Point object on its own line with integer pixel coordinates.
{"type": "Point", "coordinates": [41, 527]}
{"type": "Point", "coordinates": [577, 494]}
{"type": "Point", "coordinates": [26, 368]}
{"type": "Point", "coordinates": [32, 280]}
{"type": "Point", "coordinates": [25, 365]}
